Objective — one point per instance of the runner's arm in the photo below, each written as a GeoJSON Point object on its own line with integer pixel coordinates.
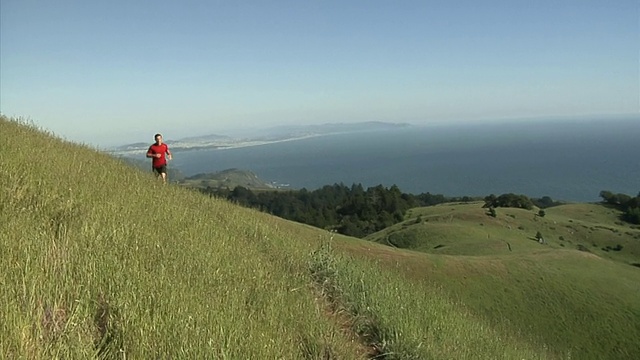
{"type": "Point", "coordinates": [151, 154]}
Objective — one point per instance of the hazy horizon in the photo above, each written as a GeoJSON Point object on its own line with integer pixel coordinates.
{"type": "Point", "coordinates": [240, 132]}
{"type": "Point", "coordinates": [100, 72]}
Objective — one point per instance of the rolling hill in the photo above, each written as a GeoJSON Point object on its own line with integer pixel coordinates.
{"type": "Point", "coordinates": [467, 229]}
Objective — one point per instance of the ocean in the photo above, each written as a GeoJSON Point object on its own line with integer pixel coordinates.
{"type": "Point", "coordinates": [566, 160]}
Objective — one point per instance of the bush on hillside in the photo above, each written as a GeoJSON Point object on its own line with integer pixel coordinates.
{"type": "Point", "coordinates": [618, 247]}
{"type": "Point", "coordinates": [632, 215]}
{"type": "Point", "coordinates": [545, 202]}
{"type": "Point", "coordinates": [508, 200]}
{"type": "Point", "coordinates": [630, 206]}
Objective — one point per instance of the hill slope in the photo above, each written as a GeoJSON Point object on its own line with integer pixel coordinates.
{"type": "Point", "coordinates": [570, 290]}
{"type": "Point", "coordinates": [101, 260]}
{"type": "Point", "coordinates": [466, 229]}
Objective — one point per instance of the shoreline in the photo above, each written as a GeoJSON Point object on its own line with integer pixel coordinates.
{"type": "Point", "coordinates": [213, 146]}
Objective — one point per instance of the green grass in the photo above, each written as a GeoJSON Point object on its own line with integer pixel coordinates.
{"type": "Point", "coordinates": [567, 303]}
{"type": "Point", "coordinates": [408, 319]}
{"type": "Point", "coordinates": [583, 303]}
{"type": "Point", "coordinates": [100, 260]}
{"type": "Point", "coordinates": [466, 229]}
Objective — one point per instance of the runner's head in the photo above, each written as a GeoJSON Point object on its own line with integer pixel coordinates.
{"type": "Point", "coordinates": [158, 138]}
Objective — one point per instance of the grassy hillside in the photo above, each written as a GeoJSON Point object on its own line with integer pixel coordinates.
{"type": "Point", "coordinates": [466, 229]}
{"type": "Point", "coordinates": [101, 260]}
{"type": "Point", "coordinates": [568, 291]}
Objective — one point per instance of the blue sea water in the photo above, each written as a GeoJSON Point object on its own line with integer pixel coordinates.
{"type": "Point", "coordinates": [566, 160]}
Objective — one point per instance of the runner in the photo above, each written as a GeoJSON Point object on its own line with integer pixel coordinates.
{"type": "Point", "coordinates": [157, 153]}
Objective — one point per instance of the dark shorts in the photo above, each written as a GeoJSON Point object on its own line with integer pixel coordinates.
{"type": "Point", "coordinates": [160, 169]}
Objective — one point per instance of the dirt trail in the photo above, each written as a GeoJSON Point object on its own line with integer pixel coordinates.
{"type": "Point", "coordinates": [334, 311]}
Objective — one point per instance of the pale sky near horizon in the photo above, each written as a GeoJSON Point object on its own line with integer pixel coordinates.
{"type": "Point", "coordinates": [113, 72]}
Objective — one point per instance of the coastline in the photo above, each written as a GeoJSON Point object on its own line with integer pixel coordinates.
{"type": "Point", "coordinates": [177, 147]}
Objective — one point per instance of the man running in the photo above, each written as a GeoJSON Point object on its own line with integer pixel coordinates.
{"type": "Point", "coordinates": [157, 153]}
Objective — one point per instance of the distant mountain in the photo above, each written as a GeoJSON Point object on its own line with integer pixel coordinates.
{"type": "Point", "coordinates": [134, 146]}
{"type": "Point", "coordinates": [208, 141]}
{"type": "Point", "coordinates": [205, 138]}
{"type": "Point", "coordinates": [285, 131]}
{"type": "Point", "coordinates": [261, 136]}
{"type": "Point", "coordinates": [329, 128]}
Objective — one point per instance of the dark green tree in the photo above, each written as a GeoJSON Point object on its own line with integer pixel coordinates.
{"type": "Point", "coordinates": [608, 197]}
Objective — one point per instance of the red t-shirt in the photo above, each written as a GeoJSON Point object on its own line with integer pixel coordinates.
{"type": "Point", "coordinates": [158, 149]}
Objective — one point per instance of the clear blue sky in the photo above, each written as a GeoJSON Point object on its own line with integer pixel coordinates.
{"type": "Point", "coordinates": [107, 72]}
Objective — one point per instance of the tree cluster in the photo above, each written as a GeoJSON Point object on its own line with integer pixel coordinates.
{"type": "Point", "coordinates": [630, 206]}
{"type": "Point", "coordinates": [508, 200]}
{"type": "Point", "coordinates": [545, 202]}
{"type": "Point", "coordinates": [352, 211]}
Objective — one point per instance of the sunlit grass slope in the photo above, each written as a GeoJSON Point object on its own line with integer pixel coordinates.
{"type": "Point", "coordinates": [467, 229]}
{"type": "Point", "coordinates": [584, 303]}
{"type": "Point", "coordinates": [100, 260]}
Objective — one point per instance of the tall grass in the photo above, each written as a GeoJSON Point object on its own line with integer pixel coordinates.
{"type": "Point", "coordinates": [560, 303]}
{"type": "Point", "coordinates": [583, 303]}
{"type": "Point", "coordinates": [402, 319]}
{"type": "Point", "coordinates": [101, 260]}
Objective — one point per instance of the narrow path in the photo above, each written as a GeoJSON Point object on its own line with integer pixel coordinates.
{"type": "Point", "coordinates": [334, 311]}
